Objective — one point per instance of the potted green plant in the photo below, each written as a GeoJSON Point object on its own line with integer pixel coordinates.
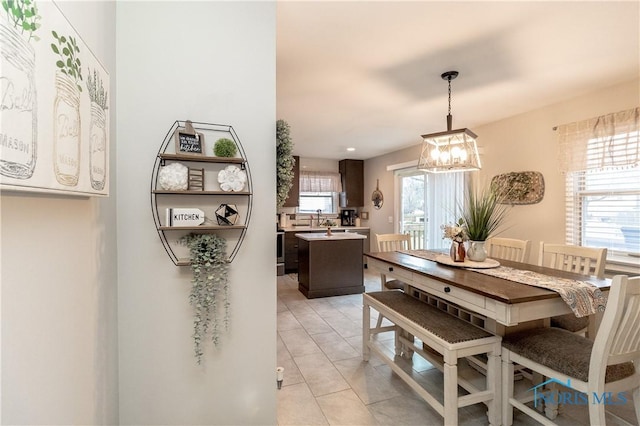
{"type": "Point", "coordinates": [284, 162]}
{"type": "Point", "coordinates": [209, 289]}
{"type": "Point", "coordinates": [482, 214]}
{"type": "Point", "coordinates": [225, 147]}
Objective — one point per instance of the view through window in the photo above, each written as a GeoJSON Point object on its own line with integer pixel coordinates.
{"type": "Point", "coordinates": [311, 202]}
{"type": "Point", "coordinates": [428, 201]}
{"type": "Point", "coordinates": [603, 205]}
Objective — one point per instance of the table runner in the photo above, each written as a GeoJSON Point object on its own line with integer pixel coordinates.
{"type": "Point", "coordinates": [582, 297]}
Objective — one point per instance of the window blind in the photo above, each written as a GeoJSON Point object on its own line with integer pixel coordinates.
{"type": "Point", "coordinates": [602, 142]}
{"type": "Point", "coordinates": [601, 159]}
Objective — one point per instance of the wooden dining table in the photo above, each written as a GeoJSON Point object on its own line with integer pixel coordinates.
{"type": "Point", "coordinates": [499, 305]}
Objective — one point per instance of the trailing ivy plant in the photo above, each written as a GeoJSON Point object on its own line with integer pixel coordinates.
{"type": "Point", "coordinates": [68, 61]}
{"type": "Point", "coordinates": [23, 14]}
{"type": "Point", "coordinates": [284, 162]}
{"type": "Point", "coordinates": [209, 288]}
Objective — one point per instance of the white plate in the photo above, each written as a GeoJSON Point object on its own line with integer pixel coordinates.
{"type": "Point", "coordinates": [488, 263]}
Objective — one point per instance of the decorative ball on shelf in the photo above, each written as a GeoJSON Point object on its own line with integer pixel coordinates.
{"type": "Point", "coordinates": [231, 178]}
{"type": "Point", "coordinates": [227, 214]}
{"type": "Point", "coordinates": [225, 148]}
{"type": "Point", "coordinates": [174, 177]}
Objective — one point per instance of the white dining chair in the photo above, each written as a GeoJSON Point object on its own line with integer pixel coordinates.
{"type": "Point", "coordinates": [508, 249]}
{"type": "Point", "coordinates": [391, 242]}
{"type": "Point", "coordinates": [578, 259]}
{"type": "Point", "coordinates": [599, 369]}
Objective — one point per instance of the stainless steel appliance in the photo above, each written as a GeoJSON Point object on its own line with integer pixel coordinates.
{"type": "Point", "coordinates": [280, 252]}
{"type": "Point", "coordinates": [348, 217]}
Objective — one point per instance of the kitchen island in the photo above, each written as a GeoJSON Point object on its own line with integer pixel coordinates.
{"type": "Point", "coordinates": [330, 265]}
{"type": "Point", "coordinates": [291, 242]}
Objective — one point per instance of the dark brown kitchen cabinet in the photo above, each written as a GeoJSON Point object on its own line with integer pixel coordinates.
{"type": "Point", "coordinates": [290, 252]}
{"type": "Point", "coordinates": [352, 176]}
{"type": "Point", "coordinates": [293, 200]}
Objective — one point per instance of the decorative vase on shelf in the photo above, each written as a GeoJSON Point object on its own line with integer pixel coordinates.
{"type": "Point", "coordinates": [329, 231]}
{"type": "Point", "coordinates": [476, 251]}
{"type": "Point", "coordinates": [457, 251]}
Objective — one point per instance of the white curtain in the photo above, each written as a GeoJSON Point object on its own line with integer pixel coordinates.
{"type": "Point", "coordinates": [446, 194]}
{"type": "Point", "coordinates": [608, 141]}
{"type": "Point", "coordinates": [320, 182]}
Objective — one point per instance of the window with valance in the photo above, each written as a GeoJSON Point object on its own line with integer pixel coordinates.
{"type": "Point", "coordinates": [601, 160]}
{"type": "Point", "coordinates": [319, 191]}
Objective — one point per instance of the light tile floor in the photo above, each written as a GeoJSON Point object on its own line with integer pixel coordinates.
{"type": "Point", "coordinates": [327, 383]}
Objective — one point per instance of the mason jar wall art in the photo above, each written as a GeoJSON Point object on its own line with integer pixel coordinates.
{"type": "Point", "coordinates": [98, 132]}
{"type": "Point", "coordinates": [18, 100]}
{"type": "Point", "coordinates": [54, 131]}
{"type": "Point", "coordinates": [66, 111]}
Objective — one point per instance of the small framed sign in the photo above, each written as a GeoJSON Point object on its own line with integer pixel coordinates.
{"type": "Point", "coordinates": [188, 141]}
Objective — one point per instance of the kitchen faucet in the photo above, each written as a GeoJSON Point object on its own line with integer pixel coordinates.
{"type": "Point", "coordinates": [319, 211]}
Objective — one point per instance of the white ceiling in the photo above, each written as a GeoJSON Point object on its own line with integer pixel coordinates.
{"type": "Point", "coordinates": [367, 74]}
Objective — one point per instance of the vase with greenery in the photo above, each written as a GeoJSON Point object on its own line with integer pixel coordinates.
{"type": "Point", "coordinates": [284, 162]}
{"type": "Point", "coordinates": [482, 215]}
{"type": "Point", "coordinates": [209, 289]}
{"type": "Point", "coordinates": [457, 234]}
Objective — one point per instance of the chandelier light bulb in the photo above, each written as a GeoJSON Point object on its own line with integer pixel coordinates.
{"type": "Point", "coordinates": [455, 152]}
{"type": "Point", "coordinates": [435, 153]}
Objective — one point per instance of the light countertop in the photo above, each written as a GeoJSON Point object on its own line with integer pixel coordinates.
{"type": "Point", "coordinates": [322, 236]}
{"type": "Point", "coordinates": [324, 228]}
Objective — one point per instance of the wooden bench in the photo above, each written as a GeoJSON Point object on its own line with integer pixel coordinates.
{"type": "Point", "coordinates": [449, 336]}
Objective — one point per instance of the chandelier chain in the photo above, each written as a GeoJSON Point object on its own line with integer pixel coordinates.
{"type": "Point", "coordinates": [449, 94]}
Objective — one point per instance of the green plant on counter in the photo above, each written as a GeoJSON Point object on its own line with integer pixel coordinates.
{"type": "Point", "coordinates": [23, 15]}
{"type": "Point", "coordinates": [483, 212]}
{"type": "Point", "coordinates": [68, 62]}
{"type": "Point", "coordinates": [210, 287]}
{"type": "Point", "coordinates": [225, 148]}
{"type": "Point", "coordinates": [284, 162]}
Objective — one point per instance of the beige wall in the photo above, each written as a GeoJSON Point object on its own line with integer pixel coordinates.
{"type": "Point", "coordinates": [59, 291]}
{"type": "Point", "coordinates": [519, 143]}
{"type": "Point", "coordinates": [212, 62]}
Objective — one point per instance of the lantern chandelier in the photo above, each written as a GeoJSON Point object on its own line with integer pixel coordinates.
{"type": "Point", "coordinates": [450, 151]}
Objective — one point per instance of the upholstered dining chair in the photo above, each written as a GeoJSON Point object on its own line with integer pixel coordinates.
{"type": "Point", "coordinates": [508, 249]}
{"type": "Point", "coordinates": [601, 369]}
{"type": "Point", "coordinates": [582, 260]}
{"type": "Point", "coordinates": [392, 242]}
